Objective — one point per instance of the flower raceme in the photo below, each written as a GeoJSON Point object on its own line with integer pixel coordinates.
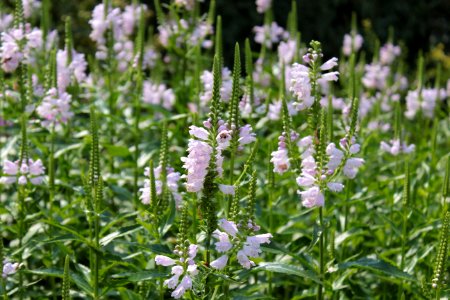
{"type": "Point", "coordinates": [9, 268]}
{"type": "Point", "coordinates": [29, 171]}
{"type": "Point", "coordinates": [172, 178]}
{"type": "Point", "coordinates": [303, 78]}
{"type": "Point", "coordinates": [17, 45]}
{"type": "Point", "coordinates": [395, 147]}
{"type": "Point", "coordinates": [200, 151]}
{"type": "Point", "coordinates": [184, 268]}
{"type": "Point", "coordinates": [315, 179]}
{"type": "Point", "coordinates": [238, 240]}
{"type": "Point", "coordinates": [55, 108]}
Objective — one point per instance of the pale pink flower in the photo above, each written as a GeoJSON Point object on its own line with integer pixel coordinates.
{"type": "Point", "coordinates": [163, 260]}
{"type": "Point", "coordinates": [280, 160]}
{"type": "Point", "coordinates": [246, 135]}
{"type": "Point", "coordinates": [229, 227]}
{"type": "Point", "coordinates": [243, 260]}
{"type": "Point", "coordinates": [312, 197]}
{"type": "Point", "coordinates": [352, 43]}
{"type": "Point", "coordinates": [220, 263]}
{"type": "Point", "coordinates": [227, 189]}
{"type": "Point", "coordinates": [351, 166]}
{"type": "Point", "coordinates": [263, 5]}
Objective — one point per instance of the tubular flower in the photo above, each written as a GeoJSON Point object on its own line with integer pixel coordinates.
{"type": "Point", "coordinates": [172, 178]}
{"type": "Point", "coordinates": [29, 171]}
{"type": "Point", "coordinates": [395, 147]}
{"type": "Point", "coordinates": [238, 240]}
{"type": "Point", "coordinates": [184, 268]}
{"type": "Point", "coordinates": [55, 108]}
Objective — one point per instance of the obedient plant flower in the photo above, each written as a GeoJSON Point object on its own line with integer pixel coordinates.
{"type": "Point", "coordinates": [68, 71]}
{"type": "Point", "coordinates": [207, 82]}
{"type": "Point", "coordinates": [375, 76]}
{"type": "Point", "coordinates": [424, 101]}
{"type": "Point", "coordinates": [238, 240]}
{"type": "Point", "coordinates": [270, 34]}
{"type": "Point", "coordinates": [55, 108]}
{"type": "Point", "coordinates": [316, 178]}
{"type": "Point", "coordinates": [352, 43]}
{"type": "Point", "coordinates": [395, 147]}
{"type": "Point", "coordinates": [303, 78]}
{"type": "Point", "coordinates": [5, 21]}
{"type": "Point", "coordinates": [388, 53]}
{"type": "Point", "coordinates": [286, 51]}
{"type": "Point", "coordinates": [29, 171]}
{"type": "Point", "coordinates": [180, 32]}
{"type": "Point", "coordinates": [9, 268]}
{"type": "Point", "coordinates": [158, 94]}
{"type": "Point", "coordinates": [172, 184]}
{"type": "Point", "coordinates": [187, 4]}
{"type": "Point", "coordinates": [280, 158]}
{"type": "Point", "coordinates": [30, 6]}
{"type": "Point", "coordinates": [184, 268]}
{"type": "Point", "coordinates": [263, 5]}
{"type": "Point", "coordinates": [246, 135]}
{"type": "Point", "coordinates": [121, 25]}
{"type": "Point", "coordinates": [17, 45]}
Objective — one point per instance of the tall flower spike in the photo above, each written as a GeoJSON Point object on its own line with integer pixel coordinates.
{"type": "Point", "coordinates": [94, 165]}
{"type": "Point", "coordinates": [235, 94]}
{"type": "Point", "coordinates": [406, 186]}
{"type": "Point", "coordinates": [441, 259]}
{"type": "Point", "coordinates": [18, 14]}
{"type": "Point", "coordinates": [251, 200]}
{"type": "Point", "coordinates": [249, 71]}
{"type": "Point", "coordinates": [218, 42]}
{"type": "Point", "coordinates": [68, 40]}
{"type": "Point", "coordinates": [66, 280]}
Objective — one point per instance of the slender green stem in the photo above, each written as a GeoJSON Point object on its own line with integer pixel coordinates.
{"type": "Point", "coordinates": [51, 170]}
{"type": "Point", "coordinates": [21, 234]}
{"type": "Point", "coordinates": [97, 256]}
{"type": "Point", "coordinates": [321, 255]}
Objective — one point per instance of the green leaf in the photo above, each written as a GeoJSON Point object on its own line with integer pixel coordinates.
{"type": "Point", "coordinates": [121, 232]}
{"type": "Point", "coordinates": [377, 265]}
{"type": "Point", "coordinates": [77, 279]}
{"type": "Point", "coordinates": [287, 269]}
{"type": "Point", "coordinates": [140, 276]}
{"type": "Point", "coordinates": [117, 151]}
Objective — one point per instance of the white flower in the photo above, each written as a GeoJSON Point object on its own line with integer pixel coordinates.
{"type": "Point", "coordinates": [227, 189]}
{"type": "Point", "coordinates": [220, 263]}
{"type": "Point", "coordinates": [263, 5]}
{"type": "Point", "coordinates": [335, 156]}
{"type": "Point", "coordinates": [388, 53]}
{"type": "Point", "coordinates": [351, 166]}
{"type": "Point", "coordinates": [223, 139]}
{"type": "Point", "coordinates": [305, 180]}
{"type": "Point", "coordinates": [158, 94]}
{"type": "Point", "coordinates": [286, 51]}
{"type": "Point", "coordinates": [246, 136]}
{"type": "Point", "coordinates": [280, 160]}
{"type": "Point", "coordinates": [329, 64]}
{"type": "Point", "coordinates": [163, 260]}
{"type": "Point", "coordinates": [224, 244]}
{"type": "Point", "coordinates": [352, 43]}
{"type": "Point", "coordinates": [9, 268]}
{"type": "Point", "coordinates": [244, 260]}
{"type": "Point", "coordinates": [229, 227]}
{"type": "Point", "coordinates": [335, 186]}
{"type": "Point", "coordinates": [312, 197]}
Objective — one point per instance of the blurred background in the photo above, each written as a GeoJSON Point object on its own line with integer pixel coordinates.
{"type": "Point", "coordinates": [418, 24]}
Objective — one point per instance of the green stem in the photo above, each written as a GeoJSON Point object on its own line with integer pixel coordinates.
{"type": "Point", "coordinates": [321, 255]}
{"type": "Point", "coordinates": [21, 234]}
{"type": "Point", "coordinates": [51, 171]}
